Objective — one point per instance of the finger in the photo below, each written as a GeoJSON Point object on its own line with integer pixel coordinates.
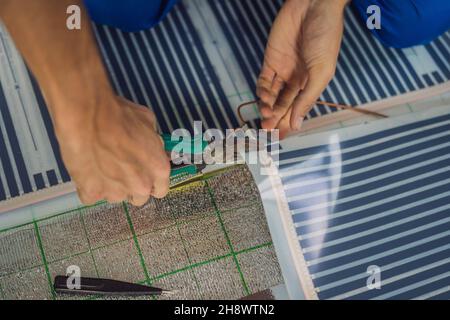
{"type": "Point", "coordinates": [87, 198]}
{"type": "Point", "coordinates": [138, 200]}
{"type": "Point", "coordinates": [90, 193]}
{"type": "Point", "coordinates": [270, 123]}
{"type": "Point", "coordinates": [296, 122]}
{"type": "Point", "coordinates": [266, 111]}
{"type": "Point", "coordinates": [116, 196]}
{"type": "Point", "coordinates": [264, 83]}
{"type": "Point", "coordinates": [266, 98]}
{"type": "Point", "coordinates": [139, 188]}
{"type": "Point", "coordinates": [277, 84]}
{"type": "Point", "coordinates": [284, 126]}
{"type": "Point", "coordinates": [160, 189]}
{"type": "Point", "coordinates": [115, 191]}
{"type": "Point", "coordinates": [318, 79]}
{"type": "Point", "coordinates": [269, 98]}
{"type": "Point", "coordinates": [161, 178]}
{"type": "Point", "coordinates": [136, 182]}
{"type": "Point", "coordinates": [285, 100]}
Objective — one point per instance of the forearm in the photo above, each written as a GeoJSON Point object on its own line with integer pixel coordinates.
{"type": "Point", "coordinates": [65, 62]}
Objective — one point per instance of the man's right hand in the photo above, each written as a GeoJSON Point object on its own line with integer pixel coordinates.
{"type": "Point", "coordinates": [116, 154]}
{"type": "Point", "coordinates": [109, 145]}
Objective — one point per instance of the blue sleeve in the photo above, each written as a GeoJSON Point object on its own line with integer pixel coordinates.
{"type": "Point", "coordinates": [128, 15]}
{"type": "Point", "coordinates": [406, 23]}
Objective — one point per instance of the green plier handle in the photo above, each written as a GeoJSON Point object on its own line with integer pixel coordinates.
{"type": "Point", "coordinates": [194, 146]}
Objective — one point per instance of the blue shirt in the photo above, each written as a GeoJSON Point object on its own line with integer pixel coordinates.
{"type": "Point", "coordinates": [129, 15]}
{"type": "Point", "coordinates": [403, 22]}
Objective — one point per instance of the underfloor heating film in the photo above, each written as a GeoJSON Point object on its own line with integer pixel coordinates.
{"type": "Point", "coordinates": [197, 64]}
{"type": "Point", "coordinates": [375, 196]}
{"type": "Point", "coordinates": [216, 244]}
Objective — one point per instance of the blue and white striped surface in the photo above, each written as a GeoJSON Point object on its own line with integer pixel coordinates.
{"type": "Point", "coordinates": [374, 195]}
{"type": "Point", "coordinates": [198, 64]}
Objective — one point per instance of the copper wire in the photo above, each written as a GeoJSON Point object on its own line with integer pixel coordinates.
{"type": "Point", "coordinates": [239, 108]}
{"type": "Point", "coordinates": [347, 107]}
{"type": "Point", "coordinates": [325, 103]}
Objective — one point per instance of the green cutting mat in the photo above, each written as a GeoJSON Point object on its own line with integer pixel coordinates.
{"type": "Point", "coordinates": [208, 241]}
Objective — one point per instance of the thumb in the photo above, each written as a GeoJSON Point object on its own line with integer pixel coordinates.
{"type": "Point", "coordinates": [318, 79]}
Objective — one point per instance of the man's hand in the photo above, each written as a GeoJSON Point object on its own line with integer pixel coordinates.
{"type": "Point", "coordinates": [299, 61]}
{"type": "Point", "coordinates": [109, 145]}
{"type": "Point", "coordinates": [116, 155]}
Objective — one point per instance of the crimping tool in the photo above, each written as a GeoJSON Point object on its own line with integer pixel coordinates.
{"type": "Point", "coordinates": [191, 171]}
